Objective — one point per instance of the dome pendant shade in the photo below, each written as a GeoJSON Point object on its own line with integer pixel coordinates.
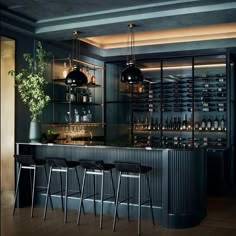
{"type": "Point", "coordinates": [76, 78]}
{"type": "Point", "coordinates": [131, 74]}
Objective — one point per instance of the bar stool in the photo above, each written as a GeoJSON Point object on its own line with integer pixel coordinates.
{"type": "Point", "coordinates": [61, 165]}
{"type": "Point", "coordinates": [28, 162]}
{"type": "Point", "coordinates": [94, 168]}
{"type": "Point", "coordinates": [136, 171]}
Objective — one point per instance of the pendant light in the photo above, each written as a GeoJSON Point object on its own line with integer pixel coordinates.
{"type": "Point", "coordinates": [131, 74]}
{"type": "Point", "coordinates": [76, 77]}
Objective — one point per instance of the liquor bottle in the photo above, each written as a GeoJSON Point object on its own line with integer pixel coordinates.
{"type": "Point", "coordinates": [216, 123]}
{"type": "Point", "coordinates": [209, 124]}
{"type": "Point", "coordinates": [222, 123]}
{"type": "Point", "coordinates": [84, 116]}
{"type": "Point", "coordinates": [203, 124]}
{"type": "Point", "coordinates": [90, 97]}
{"type": "Point", "coordinates": [76, 115]}
{"type": "Point", "coordinates": [89, 116]}
{"type": "Point", "coordinates": [84, 96]}
{"type": "Point", "coordinates": [72, 94]}
{"type": "Point", "coordinates": [67, 94]}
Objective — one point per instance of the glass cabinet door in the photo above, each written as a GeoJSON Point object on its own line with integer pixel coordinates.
{"type": "Point", "coordinates": [147, 107]}
{"type": "Point", "coordinates": [210, 99]}
{"type": "Point", "coordinates": [177, 97]}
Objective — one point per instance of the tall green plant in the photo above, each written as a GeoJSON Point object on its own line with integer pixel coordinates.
{"type": "Point", "coordinates": [31, 83]}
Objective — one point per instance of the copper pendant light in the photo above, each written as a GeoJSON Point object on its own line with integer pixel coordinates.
{"type": "Point", "coordinates": [131, 74]}
{"type": "Point", "coordinates": [76, 77]}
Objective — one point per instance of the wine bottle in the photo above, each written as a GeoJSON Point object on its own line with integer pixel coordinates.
{"type": "Point", "coordinates": [171, 124]}
{"type": "Point", "coordinates": [216, 123]}
{"type": "Point", "coordinates": [203, 124]}
{"type": "Point", "coordinates": [196, 125]}
{"type": "Point", "coordinates": [221, 79]}
{"type": "Point", "coordinates": [221, 109]}
{"type": "Point", "coordinates": [222, 123]}
{"type": "Point", "coordinates": [209, 124]}
{"type": "Point", "coordinates": [174, 125]}
{"type": "Point", "coordinates": [184, 123]}
{"type": "Point", "coordinates": [221, 94]}
{"type": "Point", "coordinates": [150, 124]}
{"type": "Point", "coordinates": [178, 127]}
{"type": "Point", "coordinates": [145, 126]}
{"type": "Point", "coordinates": [167, 123]}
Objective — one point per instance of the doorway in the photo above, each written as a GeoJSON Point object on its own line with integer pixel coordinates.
{"type": "Point", "coordinates": [7, 120]}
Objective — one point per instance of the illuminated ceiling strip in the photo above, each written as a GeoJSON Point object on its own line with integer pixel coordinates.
{"type": "Point", "coordinates": [183, 67]}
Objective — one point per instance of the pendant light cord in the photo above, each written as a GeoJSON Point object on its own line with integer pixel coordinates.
{"type": "Point", "coordinates": [131, 57]}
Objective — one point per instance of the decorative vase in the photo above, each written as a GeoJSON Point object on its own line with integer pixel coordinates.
{"type": "Point", "coordinates": [34, 131]}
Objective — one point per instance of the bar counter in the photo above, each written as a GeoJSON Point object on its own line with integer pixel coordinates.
{"type": "Point", "coordinates": [178, 180]}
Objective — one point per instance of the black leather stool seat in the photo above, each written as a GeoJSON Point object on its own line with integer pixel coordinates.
{"type": "Point", "coordinates": [27, 160]}
{"type": "Point", "coordinates": [96, 165]}
{"type": "Point", "coordinates": [132, 167]}
{"type": "Point", "coordinates": [61, 162]}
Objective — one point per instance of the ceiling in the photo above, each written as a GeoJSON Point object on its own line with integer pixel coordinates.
{"type": "Point", "coordinates": [104, 23]}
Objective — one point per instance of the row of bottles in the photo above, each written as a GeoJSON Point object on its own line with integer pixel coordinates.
{"type": "Point", "coordinates": [177, 142]}
{"type": "Point", "coordinates": [175, 123]}
{"type": "Point", "coordinates": [84, 116]}
{"type": "Point", "coordinates": [78, 95]}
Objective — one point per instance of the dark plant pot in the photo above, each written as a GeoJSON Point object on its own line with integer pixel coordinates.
{"type": "Point", "coordinates": [51, 137]}
{"type": "Point", "coordinates": [34, 131]}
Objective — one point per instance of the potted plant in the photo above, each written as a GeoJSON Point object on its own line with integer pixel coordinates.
{"type": "Point", "coordinates": [30, 84]}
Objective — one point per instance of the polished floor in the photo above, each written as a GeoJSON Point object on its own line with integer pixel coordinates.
{"type": "Point", "coordinates": [220, 221]}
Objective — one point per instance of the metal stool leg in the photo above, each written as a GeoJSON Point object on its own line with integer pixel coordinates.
{"type": "Point", "coordinates": [81, 197]}
{"type": "Point", "coordinates": [117, 199]}
{"type": "Point", "coordinates": [77, 176]}
{"type": "Point", "coordinates": [102, 192]}
{"type": "Point", "coordinates": [48, 189]}
{"type": "Point", "coordinates": [94, 196]}
{"type": "Point", "coordinates": [139, 204]}
{"type": "Point", "coordinates": [17, 189]}
{"type": "Point", "coordinates": [114, 193]}
{"type": "Point", "coordinates": [66, 195]}
{"type": "Point", "coordinates": [127, 179]}
{"type": "Point", "coordinates": [150, 198]}
{"type": "Point", "coordinates": [46, 175]}
{"type": "Point", "coordinates": [62, 204]}
{"type": "Point", "coordinates": [33, 190]}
